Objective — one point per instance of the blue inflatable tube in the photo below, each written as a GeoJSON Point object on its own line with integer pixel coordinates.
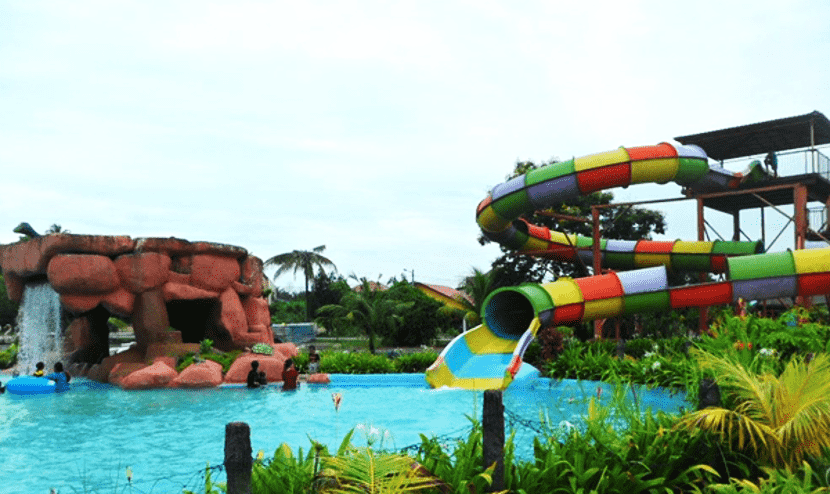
{"type": "Point", "coordinates": [29, 385]}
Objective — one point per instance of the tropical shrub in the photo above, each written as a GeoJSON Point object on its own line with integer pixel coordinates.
{"type": "Point", "coordinates": [287, 473]}
{"type": "Point", "coordinates": [621, 451]}
{"type": "Point", "coordinates": [301, 362]}
{"type": "Point", "coordinates": [225, 359]}
{"type": "Point", "coordinates": [355, 363]}
{"type": "Point", "coordinates": [8, 357]}
{"type": "Point", "coordinates": [806, 480]}
{"type": "Point", "coordinates": [779, 421]}
{"type": "Point", "coordinates": [421, 321]}
{"type": "Point", "coordinates": [462, 467]}
{"type": "Point", "coordinates": [363, 470]}
{"type": "Point", "coordinates": [414, 362]}
{"type": "Point", "coordinates": [288, 311]}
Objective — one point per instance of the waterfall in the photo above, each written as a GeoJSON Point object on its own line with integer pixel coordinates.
{"type": "Point", "coordinates": [39, 322]}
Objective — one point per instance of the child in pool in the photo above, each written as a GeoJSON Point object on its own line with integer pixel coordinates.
{"type": "Point", "coordinates": [39, 369]}
{"type": "Point", "coordinates": [60, 377]}
{"type": "Point", "coordinates": [313, 360]}
{"type": "Point", "coordinates": [289, 376]}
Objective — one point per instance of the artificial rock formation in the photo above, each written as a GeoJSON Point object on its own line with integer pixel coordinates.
{"type": "Point", "coordinates": [201, 290]}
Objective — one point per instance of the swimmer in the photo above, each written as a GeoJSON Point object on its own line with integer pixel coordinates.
{"type": "Point", "coordinates": [253, 375]}
{"type": "Point", "coordinates": [313, 360]}
{"type": "Point", "coordinates": [39, 369]}
{"type": "Point", "coordinates": [289, 376]}
{"type": "Point", "coordinates": [60, 377]}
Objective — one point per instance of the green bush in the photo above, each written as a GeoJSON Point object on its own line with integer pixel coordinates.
{"type": "Point", "coordinates": [8, 357]}
{"type": "Point", "coordinates": [414, 362]}
{"type": "Point", "coordinates": [301, 363]}
{"type": "Point", "coordinates": [288, 312]}
{"type": "Point", "coordinates": [355, 363]}
{"type": "Point", "coordinates": [598, 362]}
{"type": "Point", "coordinates": [225, 359]}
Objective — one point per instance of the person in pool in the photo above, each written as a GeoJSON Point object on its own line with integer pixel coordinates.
{"type": "Point", "coordinates": [39, 369]}
{"type": "Point", "coordinates": [289, 376]}
{"type": "Point", "coordinates": [60, 377]}
{"type": "Point", "coordinates": [313, 360]}
{"type": "Point", "coordinates": [253, 380]}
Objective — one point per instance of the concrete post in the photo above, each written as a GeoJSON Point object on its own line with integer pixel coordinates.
{"type": "Point", "coordinates": [492, 423]}
{"type": "Point", "coordinates": [238, 459]}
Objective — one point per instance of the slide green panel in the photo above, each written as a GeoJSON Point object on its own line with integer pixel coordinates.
{"type": "Point", "coordinates": [549, 172]}
{"type": "Point", "coordinates": [646, 302]}
{"type": "Point", "coordinates": [761, 266]}
{"type": "Point", "coordinates": [691, 170]}
{"type": "Point", "coordinates": [513, 205]}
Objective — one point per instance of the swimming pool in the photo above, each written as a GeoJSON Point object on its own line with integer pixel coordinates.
{"type": "Point", "coordinates": [83, 440]}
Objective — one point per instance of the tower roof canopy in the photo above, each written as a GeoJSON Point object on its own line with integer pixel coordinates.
{"type": "Point", "coordinates": [812, 129]}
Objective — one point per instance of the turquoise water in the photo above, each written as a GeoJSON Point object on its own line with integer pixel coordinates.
{"type": "Point", "coordinates": [83, 440]}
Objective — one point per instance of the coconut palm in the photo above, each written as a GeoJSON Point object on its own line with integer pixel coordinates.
{"type": "Point", "coordinates": [781, 420]}
{"type": "Point", "coordinates": [56, 229]}
{"type": "Point", "coordinates": [477, 287]}
{"type": "Point", "coordinates": [361, 470]}
{"type": "Point", "coordinates": [369, 308]}
{"type": "Point", "coordinates": [304, 261]}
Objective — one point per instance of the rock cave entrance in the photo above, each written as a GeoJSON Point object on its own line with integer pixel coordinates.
{"type": "Point", "coordinates": [196, 319]}
{"type": "Point", "coordinates": [88, 334]}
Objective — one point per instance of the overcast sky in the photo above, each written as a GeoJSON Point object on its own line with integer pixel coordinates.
{"type": "Point", "coordinates": [373, 128]}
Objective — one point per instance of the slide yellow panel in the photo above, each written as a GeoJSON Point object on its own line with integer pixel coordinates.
{"type": "Point", "coordinates": [562, 238]}
{"type": "Point", "coordinates": [812, 260]}
{"type": "Point", "coordinates": [492, 222]}
{"type": "Point", "coordinates": [686, 247]}
{"type": "Point", "coordinates": [589, 162]}
{"type": "Point", "coordinates": [442, 376]}
{"type": "Point", "coordinates": [534, 243]}
{"type": "Point", "coordinates": [658, 171]}
{"type": "Point", "coordinates": [479, 383]}
{"type": "Point", "coordinates": [647, 260]}
{"type": "Point", "coordinates": [564, 291]}
{"type": "Point", "coordinates": [482, 340]}
{"type": "Point", "coordinates": [599, 309]}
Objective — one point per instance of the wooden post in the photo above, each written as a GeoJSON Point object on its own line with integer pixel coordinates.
{"type": "Point", "coordinates": [492, 423]}
{"type": "Point", "coordinates": [238, 459]}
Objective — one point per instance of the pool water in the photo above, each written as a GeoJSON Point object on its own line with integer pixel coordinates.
{"type": "Point", "coordinates": [83, 440]}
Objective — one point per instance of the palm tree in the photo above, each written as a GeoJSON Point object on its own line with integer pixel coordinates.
{"type": "Point", "coordinates": [369, 308]}
{"type": "Point", "coordinates": [780, 419]}
{"type": "Point", "coordinates": [362, 470]}
{"type": "Point", "coordinates": [56, 229]}
{"type": "Point", "coordinates": [301, 260]}
{"type": "Point", "coordinates": [477, 287]}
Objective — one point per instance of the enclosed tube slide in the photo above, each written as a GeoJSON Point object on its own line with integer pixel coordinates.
{"type": "Point", "coordinates": [490, 356]}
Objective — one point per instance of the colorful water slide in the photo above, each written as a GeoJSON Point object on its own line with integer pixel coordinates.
{"type": "Point", "coordinates": [490, 356]}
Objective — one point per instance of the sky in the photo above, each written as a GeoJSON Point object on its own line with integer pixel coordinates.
{"type": "Point", "coordinates": [371, 127]}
